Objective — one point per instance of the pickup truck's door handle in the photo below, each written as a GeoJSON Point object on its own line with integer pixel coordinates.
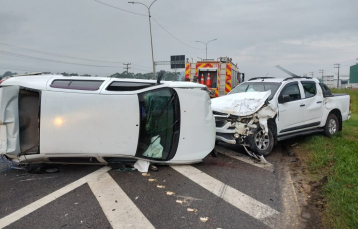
{"type": "Point", "coordinates": [319, 102]}
{"type": "Point", "coordinates": [302, 105]}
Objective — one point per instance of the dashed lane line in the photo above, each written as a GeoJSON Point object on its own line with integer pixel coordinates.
{"type": "Point", "coordinates": [116, 205]}
{"type": "Point", "coordinates": [238, 199]}
{"type": "Point", "coordinates": [244, 158]}
{"type": "Point", "coordinates": [9, 219]}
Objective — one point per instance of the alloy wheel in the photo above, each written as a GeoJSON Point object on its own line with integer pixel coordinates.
{"type": "Point", "coordinates": [262, 141]}
{"type": "Point", "coordinates": [332, 126]}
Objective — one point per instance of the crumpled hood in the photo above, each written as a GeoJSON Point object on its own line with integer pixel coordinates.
{"type": "Point", "coordinates": [240, 104]}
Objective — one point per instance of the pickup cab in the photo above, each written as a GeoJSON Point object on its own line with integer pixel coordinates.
{"type": "Point", "coordinates": [262, 111]}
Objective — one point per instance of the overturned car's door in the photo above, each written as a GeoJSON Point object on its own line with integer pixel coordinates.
{"type": "Point", "coordinates": [9, 121]}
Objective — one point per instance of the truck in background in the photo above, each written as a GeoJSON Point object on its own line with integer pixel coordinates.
{"type": "Point", "coordinates": [223, 75]}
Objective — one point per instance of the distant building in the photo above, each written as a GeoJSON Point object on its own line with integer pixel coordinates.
{"type": "Point", "coordinates": [330, 81]}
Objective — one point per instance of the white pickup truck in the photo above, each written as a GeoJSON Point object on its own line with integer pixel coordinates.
{"type": "Point", "coordinates": [262, 111]}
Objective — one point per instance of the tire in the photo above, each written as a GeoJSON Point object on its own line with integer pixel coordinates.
{"type": "Point", "coordinates": [261, 144]}
{"type": "Point", "coordinates": [332, 125]}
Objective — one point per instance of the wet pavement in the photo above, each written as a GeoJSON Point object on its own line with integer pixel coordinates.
{"type": "Point", "coordinates": [231, 190]}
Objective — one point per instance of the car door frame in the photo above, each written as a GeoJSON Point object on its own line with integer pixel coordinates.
{"type": "Point", "coordinates": [313, 106]}
{"type": "Point", "coordinates": [287, 109]}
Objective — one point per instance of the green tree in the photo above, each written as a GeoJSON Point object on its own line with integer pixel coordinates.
{"type": "Point", "coordinates": [8, 73]}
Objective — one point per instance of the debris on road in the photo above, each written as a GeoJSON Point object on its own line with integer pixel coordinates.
{"type": "Point", "coordinates": [204, 219]}
{"type": "Point", "coordinates": [191, 210]}
{"type": "Point", "coordinates": [142, 166]}
{"type": "Point", "coordinates": [145, 174]}
{"type": "Point", "coordinates": [170, 193]}
{"type": "Point", "coordinates": [152, 180]}
{"type": "Point", "coordinates": [160, 186]}
{"type": "Point", "coordinates": [153, 168]}
{"type": "Point", "coordinates": [257, 156]}
{"type": "Point", "coordinates": [180, 201]}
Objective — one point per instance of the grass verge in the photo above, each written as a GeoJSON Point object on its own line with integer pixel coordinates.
{"type": "Point", "coordinates": [337, 159]}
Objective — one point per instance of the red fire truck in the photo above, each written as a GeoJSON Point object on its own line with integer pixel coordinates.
{"type": "Point", "coordinates": [219, 76]}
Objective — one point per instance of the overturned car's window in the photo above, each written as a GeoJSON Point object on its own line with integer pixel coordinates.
{"type": "Point", "coordinates": [60, 83]}
{"type": "Point", "coordinates": [159, 123]}
{"type": "Point", "coordinates": [127, 86]}
{"type": "Point", "coordinates": [257, 87]}
{"type": "Point", "coordinates": [88, 85]}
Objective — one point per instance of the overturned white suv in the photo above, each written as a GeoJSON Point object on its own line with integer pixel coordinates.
{"type": "Point", "coordinates": [262, 111]}
{"type": "Point", "coordinates": [57, 119]}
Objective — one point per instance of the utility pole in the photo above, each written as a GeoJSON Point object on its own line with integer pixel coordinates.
{"type": "Point", "coordinates": [338, 74]}
{"type": "Point", "coordinates": [321, 71]}
{"type": "Point", "coordinates": [311, 73]}
{"type": "Point", "coordinates": [150, 30]}
{"type": "Point", "coordinates": [127, 67]}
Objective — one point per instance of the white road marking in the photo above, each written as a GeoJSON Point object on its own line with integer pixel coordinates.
{"type": "Point", "coordinates": [244, 158]}
{"type": "Point", "coordinates": [238, 199]}
{"type": "Point", "coordinates": [124, 213]}
{"type": "Point", "coordinates": [9, 219]}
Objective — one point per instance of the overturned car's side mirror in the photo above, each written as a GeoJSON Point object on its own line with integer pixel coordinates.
{"type": "Point", "coordinates": [284, 98]}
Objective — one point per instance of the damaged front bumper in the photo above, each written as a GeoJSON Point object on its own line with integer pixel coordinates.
{"type": "Point", "coordinates": [234, 129]}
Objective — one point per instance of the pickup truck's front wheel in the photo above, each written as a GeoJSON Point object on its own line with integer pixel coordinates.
{"type": "Point", "coordinates": [332, 125]}
{"type": "Point", "coordinates": [261, 143]}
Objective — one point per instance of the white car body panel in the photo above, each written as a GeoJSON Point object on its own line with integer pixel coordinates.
{"type": "Point", "coordinates": [74, 123]}
{"type": "Point", "coordinates": [9, 126]}
{"type": "Point", "coordinates": [197, 135]}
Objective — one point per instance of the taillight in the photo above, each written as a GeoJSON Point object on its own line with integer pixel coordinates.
{"type": "Point", "coordinates": [3, 79]}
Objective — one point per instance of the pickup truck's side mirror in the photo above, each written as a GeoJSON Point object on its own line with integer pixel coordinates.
{"type": "Point", "coordinates": [284, 98]}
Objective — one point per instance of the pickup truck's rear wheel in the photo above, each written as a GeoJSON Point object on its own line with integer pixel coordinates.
{"type": "Point", "coordinates": [332, 125]}
{"type": "Point", "coordinates": [261, 143]}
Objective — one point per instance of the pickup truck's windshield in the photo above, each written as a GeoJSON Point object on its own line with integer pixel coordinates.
{"type": "Point", "coordinates": [257, 86]}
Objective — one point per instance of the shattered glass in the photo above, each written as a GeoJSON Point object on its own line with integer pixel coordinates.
{"type": "Point", "coordinates": [157, 123]}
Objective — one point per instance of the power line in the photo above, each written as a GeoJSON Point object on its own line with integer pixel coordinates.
{"type": "Point", "coordinates": [60, 55]}
{"type": "Point", "coordinates": [121, 9]}
{"type": "Point", "coordinates": [21, 68]}
{"type": "Point", "coordinates": [127, 67]}
{"type": "Point", "coordinates": [325, 67]}
{"type": "Point", "coordinates": [174, 36]}
{"type": "Point", "coordinates": [151, 18]}
{"type": "Point", "coordinates": [50, 60]}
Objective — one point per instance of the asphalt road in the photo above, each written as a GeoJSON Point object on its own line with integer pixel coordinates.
{"type": "Point", "coordinates": [231, 190]}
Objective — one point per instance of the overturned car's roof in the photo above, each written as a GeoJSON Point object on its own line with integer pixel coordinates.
{"type": "Point", "coordinates": [41, 82]}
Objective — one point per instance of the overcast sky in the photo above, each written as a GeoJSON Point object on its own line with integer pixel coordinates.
{"type": "Point", "coordinates": [301, 36]}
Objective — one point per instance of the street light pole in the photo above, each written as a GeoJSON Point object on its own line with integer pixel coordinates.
{"type": "Point", "coordinates": [206, 46]}
{"type": "Point", "coordinates": [150, 30]}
